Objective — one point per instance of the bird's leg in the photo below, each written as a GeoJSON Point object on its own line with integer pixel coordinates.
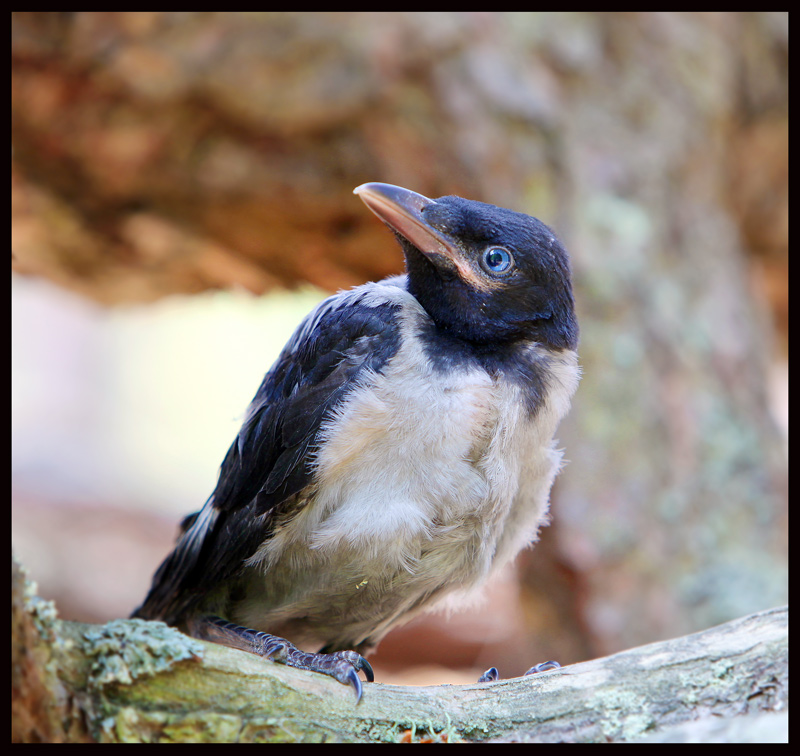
{"type": "Point", "coordinates": [341, 665]}
{"type": "Point", "coordinates": [491, 674]}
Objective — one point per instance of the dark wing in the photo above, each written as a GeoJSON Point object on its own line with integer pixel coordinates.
{"type": "Point", "coordinates": [334, 347]}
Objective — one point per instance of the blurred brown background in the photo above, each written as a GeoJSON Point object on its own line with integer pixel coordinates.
{"type": "Point", "coordinates": [169, 169]}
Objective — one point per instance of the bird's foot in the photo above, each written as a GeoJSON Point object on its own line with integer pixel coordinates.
{"type": "Point", "coordinates": [343, 666]}
{"type": "Point", "coordinates": [491, 674]}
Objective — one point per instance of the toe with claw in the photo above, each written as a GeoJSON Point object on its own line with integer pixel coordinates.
{"type": "Point", "coordinates": [343, 666]}
{"type": "Point", "coordinates": [492, 675]}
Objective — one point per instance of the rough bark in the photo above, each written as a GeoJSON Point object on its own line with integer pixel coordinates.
{"type": "Point", "coordinates": [136, 681]}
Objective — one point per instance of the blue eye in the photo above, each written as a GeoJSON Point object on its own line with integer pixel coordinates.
{"type": "Point", "coordinates": [497, 260]}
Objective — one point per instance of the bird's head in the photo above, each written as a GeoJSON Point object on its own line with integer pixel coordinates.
{"type": "Point", "coordinates": [483, 273]}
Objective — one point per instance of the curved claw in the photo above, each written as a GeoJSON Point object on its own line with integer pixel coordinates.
{"type": "Point", "coordinates": [354, 680]}
{"type": "Point", "coordinates": [543, 667]}
{"type": "Point", "coordinates": [490, 675]}
{"type": "Point", "coordinates": [271, 649]}
{"type": "Point", "coordinates": [367, 667]}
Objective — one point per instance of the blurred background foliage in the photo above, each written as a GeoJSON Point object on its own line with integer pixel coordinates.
{"type": "Point", "coordinates": [182, 196]}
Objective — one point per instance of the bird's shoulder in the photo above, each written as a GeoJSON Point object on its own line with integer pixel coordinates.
{"type": "Point", "coordinates": [341, 343]}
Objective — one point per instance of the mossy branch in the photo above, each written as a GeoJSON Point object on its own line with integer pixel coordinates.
{"type": "Point", "coordinates": [131, 680]}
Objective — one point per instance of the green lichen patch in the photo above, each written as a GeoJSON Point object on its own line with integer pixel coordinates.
{"type": "Point", "coordinates": [123, 650]}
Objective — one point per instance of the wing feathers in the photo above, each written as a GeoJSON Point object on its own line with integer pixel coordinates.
{"type": "Point", "coordinates": [338, 345]}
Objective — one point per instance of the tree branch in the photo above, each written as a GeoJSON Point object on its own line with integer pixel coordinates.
{"type": "Point", "coordinates": [131, 680]}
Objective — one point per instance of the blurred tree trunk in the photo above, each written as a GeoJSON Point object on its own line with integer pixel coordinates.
{"type": "Point", "coordinates": [174, 152]}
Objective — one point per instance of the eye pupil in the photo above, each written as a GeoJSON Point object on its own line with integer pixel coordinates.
{"type": "Point", "coordinates": [497, 259]}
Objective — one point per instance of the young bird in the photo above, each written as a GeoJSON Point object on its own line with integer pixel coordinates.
{"type": "Point", "coordinates": [400, 449]}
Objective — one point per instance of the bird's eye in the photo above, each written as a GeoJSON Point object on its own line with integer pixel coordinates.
{"type": "Point", "coordinates": [497, 260]}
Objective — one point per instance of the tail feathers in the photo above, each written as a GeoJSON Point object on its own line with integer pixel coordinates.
{"type": "Point", "coordinates": [170, 595]}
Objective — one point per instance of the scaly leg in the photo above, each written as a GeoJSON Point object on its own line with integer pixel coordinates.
{"type": "Point", "coordinates": [341, 665]}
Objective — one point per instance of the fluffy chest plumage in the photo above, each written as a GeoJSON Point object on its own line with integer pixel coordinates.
{"type": "Point", "coordinates": [421, 452]}
{"type": "Point", "coordinates": [424, 480]}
